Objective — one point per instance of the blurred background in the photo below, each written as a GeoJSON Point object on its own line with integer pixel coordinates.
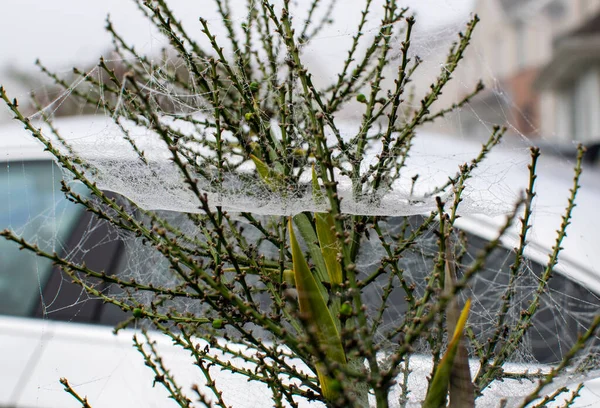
{"type": "Point", "coordinates": [539, 59]}
{"type": "Point", "coordinates": [67, 33]}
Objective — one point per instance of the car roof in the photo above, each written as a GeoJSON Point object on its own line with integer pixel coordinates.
{"type": "Point", "coordinates": [16, 143]}
{"type": "Point", "coordinates": [497, 183]}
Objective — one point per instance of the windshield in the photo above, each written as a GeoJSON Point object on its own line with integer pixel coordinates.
{"type": "Point", "coordinates": [32, 204]}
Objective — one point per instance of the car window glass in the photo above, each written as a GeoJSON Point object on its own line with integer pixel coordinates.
{"type": "Point", "coordinates": [566, 308]}
{"type": "Point", "coordinates": [31, 204]}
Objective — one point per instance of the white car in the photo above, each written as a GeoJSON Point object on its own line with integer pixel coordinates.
{"type": "Point", "coordinates": [50, 328]}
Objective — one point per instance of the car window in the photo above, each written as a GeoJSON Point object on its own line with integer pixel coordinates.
{"type": "Point", "coordinates": [31, 204]}
{"type": "Point", "coordinates": [567, 308]}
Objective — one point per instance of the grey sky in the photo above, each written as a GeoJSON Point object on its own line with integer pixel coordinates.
{"type": "Point", "coordinates": [64, 32]}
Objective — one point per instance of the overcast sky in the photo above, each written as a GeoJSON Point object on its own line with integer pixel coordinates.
{"type": "Point", "coordinates": [68, 31]}
{"type": "Point", "coordinates": [64, 33]}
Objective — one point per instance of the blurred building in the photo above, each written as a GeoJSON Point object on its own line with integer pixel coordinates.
{"type": "Point", "coordinates": [570, 83]}
{"type": "Point", "coordinates": [540, 62]}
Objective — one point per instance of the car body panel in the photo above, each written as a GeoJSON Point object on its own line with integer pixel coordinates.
{"type": "Point", "coordinates": [114, 374]}
{"type": "Point", "coordinates": [102, 366]}
{"type": "Point", "coordinates": [18, 351]}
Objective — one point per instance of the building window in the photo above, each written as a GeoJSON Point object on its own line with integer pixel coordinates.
{"type": "Point", "coordinates": [555, 10]}
{"type": "Point", "coordinates": [499, 56]}
{"type": "Point", "coordinates": [521, 45]}
{"type": "Point", "coordinates": [584, 103]}
{"type": "Point", "coordinates": [574, 112]}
